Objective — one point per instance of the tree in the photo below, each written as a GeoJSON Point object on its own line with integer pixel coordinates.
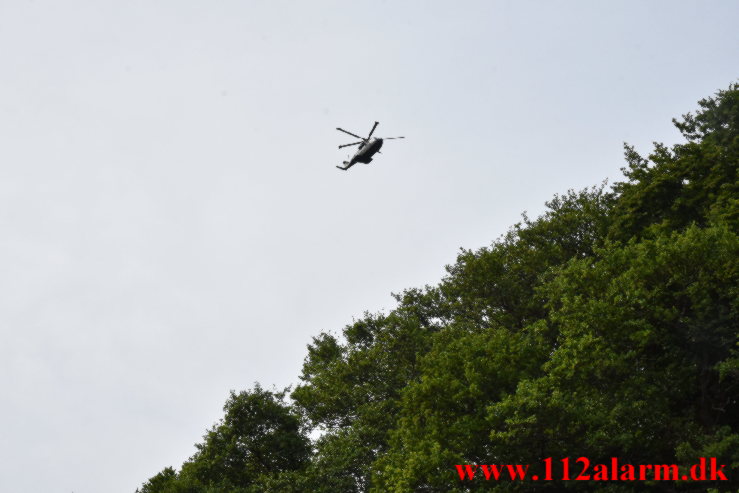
{"type": "Point", "coordinates": [259, 438]}
{"type": "Point", "coordinates": [695, 182]}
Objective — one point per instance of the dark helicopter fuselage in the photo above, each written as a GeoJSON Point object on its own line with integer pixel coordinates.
{"type": "Point", "coordinates": [366, 151]}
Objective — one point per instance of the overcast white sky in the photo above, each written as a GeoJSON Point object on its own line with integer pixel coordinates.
{"type": "Point", "coordinates": [172, 225]}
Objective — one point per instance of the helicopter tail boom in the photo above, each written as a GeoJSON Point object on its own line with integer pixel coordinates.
{"type": "Point", "coordinates": [347, 165]}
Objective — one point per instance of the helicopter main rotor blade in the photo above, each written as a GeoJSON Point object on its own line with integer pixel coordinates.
{"type": "Point", "coordinates": [386, 138]}
{"type": "Point", "coordinates": [352, 144]}
{"type": "Point", "coordinates": [346, 132]}
{"type": "Point", "coordinates": [373, 130]}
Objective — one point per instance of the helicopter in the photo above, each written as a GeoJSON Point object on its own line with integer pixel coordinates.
{"type": "Point", "coordinates": [368, 147]}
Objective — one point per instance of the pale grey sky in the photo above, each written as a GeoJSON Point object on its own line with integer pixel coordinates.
{"type": "Point", "coordinates": [172, 225]}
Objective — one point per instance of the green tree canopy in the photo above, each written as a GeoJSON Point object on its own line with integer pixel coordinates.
{"type": "Point", "coordinates": [258, 438]}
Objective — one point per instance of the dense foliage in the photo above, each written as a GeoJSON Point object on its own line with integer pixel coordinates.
{"type": "Point", "coordinates": [606, 327]}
